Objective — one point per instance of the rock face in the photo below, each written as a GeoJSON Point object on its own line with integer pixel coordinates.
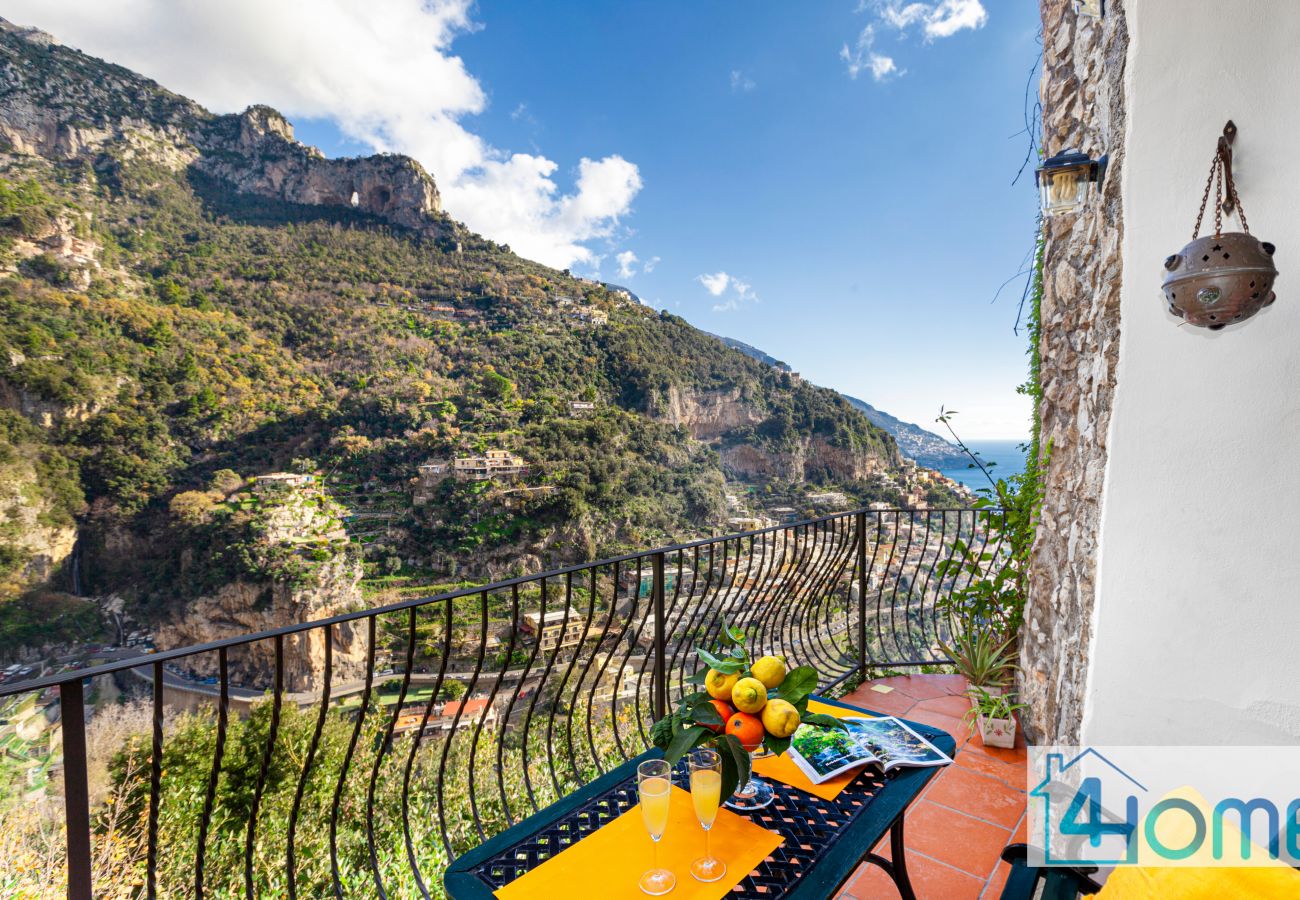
{"type": "Point", "coordinates": [1083, 106]}
{"type": "Point", "coordinates": [243, 607]}
{"type": "Point", "coordinates": [813, 459]}
{"type": "Point", "coordinates": [256, 152]}
{"type": "Point", "coordinates": [47, 110]}
{"type": "Point", "coordinates": [41, 546]}
{"type": "Point", "coordinates": [708, 414]}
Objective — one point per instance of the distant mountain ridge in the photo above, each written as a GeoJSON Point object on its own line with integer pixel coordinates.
{"type": "Point", "coordinates": [754, 352]}
{"type": "Point", "coordinates": [926, 447]}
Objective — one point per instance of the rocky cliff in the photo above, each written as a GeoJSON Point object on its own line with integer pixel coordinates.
{"type": "Point", "coordinates": [243, 607]}
{"type": "Point", "coordinates": [256, 152]}
{"type": "Point", "coordinates": [113, 111]}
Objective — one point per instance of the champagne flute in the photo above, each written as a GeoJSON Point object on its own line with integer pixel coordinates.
{"type": "Point", "coordinates": [706, 794]}
{"type": "Point", "coordinates": [654, 786]}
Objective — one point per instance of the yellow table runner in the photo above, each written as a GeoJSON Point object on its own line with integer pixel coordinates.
{"type": "Point", "coordinates": [608, 863]}
{"type": "Point", "coordinates": [784, 770]}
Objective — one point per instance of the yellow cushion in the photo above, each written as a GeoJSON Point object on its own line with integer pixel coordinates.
{"type": "Point", "coordinates": [1271, 878]}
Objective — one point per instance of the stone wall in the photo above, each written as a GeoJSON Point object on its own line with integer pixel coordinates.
{"type": "Point", "coordinates": [1082, 94]}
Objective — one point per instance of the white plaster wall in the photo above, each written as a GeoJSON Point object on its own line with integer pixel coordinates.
{"type": "Point", "coordinates": [1197, 619]}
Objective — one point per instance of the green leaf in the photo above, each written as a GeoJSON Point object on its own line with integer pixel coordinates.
{"type": "Point", "coordinates": [685, 740]}
{"type": "Point", "coordinates": [691, 699]}
{"type": "Point", "coordinates": [798, 684]}
{"type": "Point", "coordinates": [704, 712]}
{"type": "Point", "coordinates": [821, 720]}
{"type": "Point", "coordinates": [725, 635]}
{"type": "Point", "coordinates": [777, 745]}
{"type": "Point", "coordinates": [697, 678]}
{"type": "Point", "coordinates": [661, 733]}
{"type": "Point", "coordinates": [725, 666]}
{"type": "Point", "coordinates": [735, 764]}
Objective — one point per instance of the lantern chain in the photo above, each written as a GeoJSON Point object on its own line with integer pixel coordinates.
{"type": "Point", "coordinates": [1225, 187]}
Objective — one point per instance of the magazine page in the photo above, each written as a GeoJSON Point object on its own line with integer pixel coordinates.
{"type": "Point", "coordinates": [894, 744]}
{"type": "Point", "coordinates": [823, 753]}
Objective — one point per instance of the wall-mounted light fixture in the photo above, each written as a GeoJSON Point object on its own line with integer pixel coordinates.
{"type": "Point", "coordinates": [1093, 9]}
{"type": "Point", "coordinates": [1223, 278]}
{"type": "Point", "coordinates": [1065, 181]}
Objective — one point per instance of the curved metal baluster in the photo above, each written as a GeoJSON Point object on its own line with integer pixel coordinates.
{"type": "Point", "coordinates": [311, 758]}
{"type": "Point", "coordinates": [646, 659]}
{"type": "Point", "coordinates": [451, 736]}
{"type": "Point", "coordinates": [155, 784]}
{"type": "Point", "coordinates": [767, 598]}
{"type": "Point", "coordinates": [582, 678]}
{"type": "Point", "coordinates": [415, 747]}
{"type": "Point", "coordinates": [801, 619]}
{"type": "Point", "coordinates": [880, 586]}
{"type": "Point", "coordinates": [685, 650]}
{"type": "Point", "coordinates": [218, 753]}
{"type": "Point", "coordinates": [675, 611]}
{"type": "Point", "coordinates": [271, 735]}
{"type": "Point", "coordinates": [509, 710]}
{"type": "Point", "coordinates": [559, 692]}
{"type": "Point", "coordinates": [821, 595]}
{"type": "Point", "coordinates": [913, 651]}
{"type": "Point", "coordinates": [347, 761]}
{"type": "Point", "coordinates": [898, 577]}
{"type": "Point", "coordinates": [609, 654]}
{"type": "Point", "coordinates": [382, 751]}
{"type": "Point", "coordinates": [537, 692]}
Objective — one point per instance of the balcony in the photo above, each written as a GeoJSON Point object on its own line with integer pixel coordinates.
{"type": "Point", "coordinates": [415, 731]}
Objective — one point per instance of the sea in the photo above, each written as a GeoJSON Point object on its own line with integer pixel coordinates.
{"type": "Point", "coordinates": [1007, 456]}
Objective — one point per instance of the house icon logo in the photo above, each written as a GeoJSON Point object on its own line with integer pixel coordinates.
{"type": "Point", "coordinates": [1080, 797]}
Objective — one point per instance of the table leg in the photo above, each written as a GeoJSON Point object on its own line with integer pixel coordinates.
{"type": "Point", "coordinates": [896, 866]}
{"type": "Point", "coordinates": [898, 855]}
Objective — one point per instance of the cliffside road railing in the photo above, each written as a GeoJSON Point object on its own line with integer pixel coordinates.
{"type": "Point", "coordinates": [391, 739]}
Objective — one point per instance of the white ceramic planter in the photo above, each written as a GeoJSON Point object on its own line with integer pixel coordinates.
{"type": "Point", "coordinates": [998, 732]}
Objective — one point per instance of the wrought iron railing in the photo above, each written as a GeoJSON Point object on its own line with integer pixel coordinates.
{"type": "Point", "coordinates": [357, 754]}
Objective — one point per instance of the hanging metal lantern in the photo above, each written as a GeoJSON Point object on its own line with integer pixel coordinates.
{"type": "Point", "coordinates": [1065, 181]}
{"type": "Point", "coordinates": [1223, 278]}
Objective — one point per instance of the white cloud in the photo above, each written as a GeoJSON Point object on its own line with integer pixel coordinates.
{"type": "Point", "coordinates": [862, 58]}
{"type": "Point", "coordinates": [383, 72]}
{"type": "Point", "coordinates": [734, 292]}
{"type": "Point", "coordinates": [936, 19]}
{"type": "Point", "coordinates": [742, 82]}
{"type": "Point", "coordinates": [951, 16]}
{"type": "Point", "coordinates": [626, 264]}
{"type": "Point", "coordinates": [716, 283]}
{"type": "Point", "coordinates": [650, 264]}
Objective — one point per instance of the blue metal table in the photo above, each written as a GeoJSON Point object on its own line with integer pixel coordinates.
{"type": "Point", "coordinates": [825, 840]}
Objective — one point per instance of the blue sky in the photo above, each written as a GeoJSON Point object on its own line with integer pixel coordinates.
{"type": "Point", "coordinates": [863, 223]}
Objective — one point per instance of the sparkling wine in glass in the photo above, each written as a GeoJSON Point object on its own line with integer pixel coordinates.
{"type": "Point", "coordinates": [654, 786]}
{"type": "Point", "coordinates": [706, 794]}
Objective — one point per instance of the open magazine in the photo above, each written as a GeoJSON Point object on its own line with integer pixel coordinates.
{"type": "Point", "coordinates": [823, 753]}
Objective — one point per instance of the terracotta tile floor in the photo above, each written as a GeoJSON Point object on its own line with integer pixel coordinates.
{"type": "Point", "coordinates": [958, 827]}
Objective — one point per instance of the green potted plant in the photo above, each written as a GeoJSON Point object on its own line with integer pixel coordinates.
{"type": "Point", "coordinates": [994, 715]}
{"type": "Point", "coordinates": [983, 657]}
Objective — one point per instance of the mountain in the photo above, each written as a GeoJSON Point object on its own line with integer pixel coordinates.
{"type": "Point", "coordinates": [754, 353]}
{"type": "Point", "coordinates": [194, 302]}
{"type": "Point", "coordinates": [927, 448]}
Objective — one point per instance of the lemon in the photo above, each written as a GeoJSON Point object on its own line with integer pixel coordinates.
{"type": "Point", "coordinates": [780, 718]}
{"type": "Point", "coordinates": [719, 685]}
{"type": "Point", "coordinates": [770, 670]}
{"type": "Point", "coordinates": [749, 695]}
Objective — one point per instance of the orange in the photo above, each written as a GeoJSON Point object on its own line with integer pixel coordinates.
{"type": "Point", "coordinates": [724, 710]}
{"type": "Point", "coordinates": [747, 728]}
